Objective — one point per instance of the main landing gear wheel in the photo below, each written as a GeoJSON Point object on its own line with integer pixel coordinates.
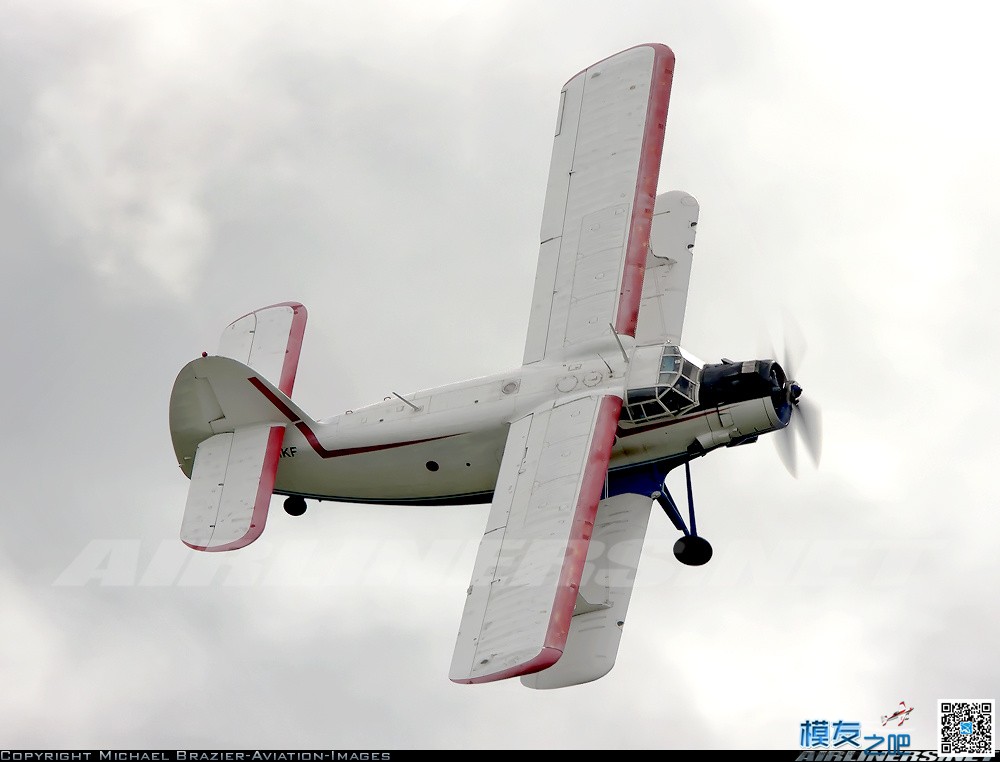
{"type": "Point", "coordinates": [693, 550]}
{"type": "Point", "coordinates": [295, 505]}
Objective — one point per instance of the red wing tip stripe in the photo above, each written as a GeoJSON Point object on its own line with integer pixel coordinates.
{"type": "Point", "coordinates": [545, 659]}
{"type": "Point", "coordinates": [234, 545]}
{"type": "Point", "coordinates": [660, 51]}
{"type": "Point", "coordinates": [296, 308]}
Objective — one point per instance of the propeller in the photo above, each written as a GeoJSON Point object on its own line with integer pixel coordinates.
{"type": "Point", "coordinates": [806, 421]}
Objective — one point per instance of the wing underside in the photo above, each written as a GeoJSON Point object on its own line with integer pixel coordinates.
{"type": "Point", "coordinates": [605, 590]}
{"type": "Point", "coordinates": [527, 573]}
{"type": "Point", "coordinates": [599, 201]}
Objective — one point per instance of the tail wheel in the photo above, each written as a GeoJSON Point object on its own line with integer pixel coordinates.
{"type": "Point", "coordinates": [295, 505]}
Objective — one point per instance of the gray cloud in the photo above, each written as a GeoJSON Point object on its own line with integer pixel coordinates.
{"type": "Point", "coordinates": [165, 169]}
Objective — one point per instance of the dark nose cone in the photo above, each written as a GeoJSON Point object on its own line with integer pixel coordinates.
{"type": "Point", "coordinates": [794, 392]}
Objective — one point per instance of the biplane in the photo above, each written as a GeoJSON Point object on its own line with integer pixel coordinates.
{"type": "Point", "coordinates": [571, 448]}
{"type": "Point", "coordinates": [902, 714]}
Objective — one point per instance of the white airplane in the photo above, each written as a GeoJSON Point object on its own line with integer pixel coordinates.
{"type": "Point", "coordinates": [572, 447]}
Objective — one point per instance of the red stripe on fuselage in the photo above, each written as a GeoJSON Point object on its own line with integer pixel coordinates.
{"type": "Point", "coordinates": [324, 453]}
{"type": "Point", "coordinates": [313, 440]}
{"type": "Point", "coordinates": [274, 399]}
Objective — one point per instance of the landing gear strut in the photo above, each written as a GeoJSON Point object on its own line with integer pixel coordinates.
{"type": "Point", "coordinates": [295, 505]}
{"type": "Point", "coordinates": [691, 549]}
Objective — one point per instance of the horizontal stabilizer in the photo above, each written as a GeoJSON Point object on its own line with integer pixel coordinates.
{"type": "Point", "coordinates": [231, 486]}
{"type": "Point", "coordinates": [268, 340]}
{"type": "Point", "coordinates": [228, 415]}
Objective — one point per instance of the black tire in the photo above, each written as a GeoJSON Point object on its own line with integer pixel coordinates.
{"type": "Point", "coordinates": [295, 505]}
{"type": "Point", "coordinates": [693, 550]}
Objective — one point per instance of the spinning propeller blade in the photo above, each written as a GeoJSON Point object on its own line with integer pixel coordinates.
{"type": "Point", "coordinates": [806, 422]}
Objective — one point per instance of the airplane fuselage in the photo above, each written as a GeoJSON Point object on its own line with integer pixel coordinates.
{"type": "Point", "coordinates": [444, 445]}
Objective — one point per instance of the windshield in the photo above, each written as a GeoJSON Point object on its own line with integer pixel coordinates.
{"type": "Point", "coordinates": [676, 389]}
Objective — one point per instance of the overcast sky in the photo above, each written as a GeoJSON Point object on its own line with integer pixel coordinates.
{"type": "Point", "coordinates": [166, 167]}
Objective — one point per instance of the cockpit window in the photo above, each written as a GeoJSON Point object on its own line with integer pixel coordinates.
{"type": "Point", "coordinates": [669, 364]}
{"type": "Point", "coordinates": [636, 396]}
{"type": "Point", "coordinates": [676, 389]}
{"type": "Point", "coordinates": [652, 409]}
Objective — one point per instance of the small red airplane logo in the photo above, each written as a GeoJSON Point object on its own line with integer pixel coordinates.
{"type": "Point", "coordinates": [903, 714]}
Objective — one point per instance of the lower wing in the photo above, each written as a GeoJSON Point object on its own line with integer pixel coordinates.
{"type": "Point", "coordinates": [605, 590]}
{"type": "Point", "coordinates": [526, 579]}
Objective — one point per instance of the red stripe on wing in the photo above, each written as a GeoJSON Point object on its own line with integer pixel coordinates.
{"type": "Point", "coordinates": [645, 190]}
{"type": "Point", "coordinates": [591, 488]}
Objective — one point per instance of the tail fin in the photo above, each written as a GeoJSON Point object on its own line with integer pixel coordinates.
{"type": "Point", "coordinates": [227, 422]}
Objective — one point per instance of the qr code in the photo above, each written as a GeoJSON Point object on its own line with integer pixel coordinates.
{"type": "Point", "coordinates": [966, 727]}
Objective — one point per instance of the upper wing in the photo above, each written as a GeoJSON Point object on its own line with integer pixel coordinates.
{"type": "Point", "coordinates": [668, 269]}
{"type": "Point", "coordinates": [599, 201]}
{"type": "Point", "coordinates": [526, 578]}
